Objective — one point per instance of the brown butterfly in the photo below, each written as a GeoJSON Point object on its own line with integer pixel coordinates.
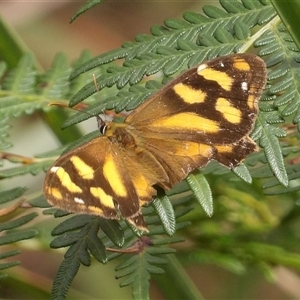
{"type": "Point", "coordinates": [205, 114]}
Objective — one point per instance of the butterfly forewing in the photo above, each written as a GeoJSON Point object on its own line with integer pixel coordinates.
{"type": "Point", "coordinates": [215, 102]}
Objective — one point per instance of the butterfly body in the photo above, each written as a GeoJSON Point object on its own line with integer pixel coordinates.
{"type": "Point", "coordinates": [206, 113]}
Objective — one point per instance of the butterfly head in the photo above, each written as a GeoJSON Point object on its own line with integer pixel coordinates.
{"type": "Point", "coordinates": [102, 125]}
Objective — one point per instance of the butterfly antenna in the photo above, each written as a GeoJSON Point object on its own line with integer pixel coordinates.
{"type": "Point", "coordinates": [101, 124]}
{"type": "Point", "coordinates": [79, 107]}
{"type": "Point", "coordinates": [95, 83]}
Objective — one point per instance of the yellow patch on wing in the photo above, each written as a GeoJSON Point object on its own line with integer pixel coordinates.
{"type": "Point", "coordinates": [241, 64]}
{"type": "Point", "coordinates": [188, 122]}
{"type": "Point", "coordinates": [193, 149]}
{"type": "Point", "coordinates": [66, 181]}
{"type": "Point", "coordinates": [188, 94]}
{"type": "Point", "coordinates": [55, 192]}
{"type": "Point", "coordinates": [105, 199]}
{"type": "Point", "coordinates": [225, 148]}
{"type": "Point", "coordinates": [142, 186]}
{"type": "Point", "coordinates": [96, 210]}
{"type": "Point", "coordinates": [230, 113]}
{"type": "Point", "coordinates": [251, 101]}
{"type": "Point", "coordinates": [205, 150]}
{"type": "Point", "coordinates": [112, 175]}
{"type": "Point", "coordinates": [83, 169]}
{"type": "Point", "coordinates": [221, 77]}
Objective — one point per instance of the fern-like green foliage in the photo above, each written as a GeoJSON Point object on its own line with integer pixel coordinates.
{"type": "Point", "coordinates": [169, 49]}
{"type": "Point", "coordinates": [81, 234]}
{"type": "Point", "coordinates": [8, 234]}
{"type": "Point", "coordinates": [86, 6]}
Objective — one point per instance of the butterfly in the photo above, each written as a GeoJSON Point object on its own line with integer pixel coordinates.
{"type": "Point", "coordinates": [207, 113]}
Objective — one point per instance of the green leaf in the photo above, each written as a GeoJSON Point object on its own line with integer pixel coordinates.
{"type": "Point", "coordinates": [288, 12]}
{"type": "Point", "coordinates": [88, 5]}
{"type": "Point", "coordinates": [8, 195]}
{"type": "Point", "coordinates": [33, 168]}
{"type": "Point", "coordinates": [165, 212]}
{"type": "Point", "coordinates": [4, 265]}
{"type": "Point", "coordinates": [8, 265]}
{"type": "Point", "coordinates": [23, 78]}
{"type": "Point", "coordinates": [113, 230]}
{"type": "Point", "coordinates": [18, 222]}
{"type": "Point", "coordinates": [242, 171]}
{"type": "Point", "coordinates": [13, 237]}
{"type": "Point", "coordinates": [39, 201]}
{"type": "Point", "coordinates": [9, 253]}
{"type": "Point", "coordinates": [201, 190]}
{"type": "Point", "coordinates": [56, 78]}
{"type": "Point", "coordinates": [97, 249]}
{"type": "Point", "coordinates": [66, 273]}
{"type": "Point", "coordinates": [269, 142]}
{"type": "Point", "coordinates": [72, 223]}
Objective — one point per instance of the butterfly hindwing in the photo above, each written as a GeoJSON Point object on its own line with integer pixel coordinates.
{"type": "Point", "coordinates": [72, 183]}
{"type": "Point", "coordinates": [77, 175]}
{"type": "Point", "coordinates": [178, 157]}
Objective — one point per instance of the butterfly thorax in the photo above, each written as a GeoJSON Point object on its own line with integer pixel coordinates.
{"type": "Point", "coordinates": [121, 133]}
{"type": "Point", "coordinates": [128, 139]}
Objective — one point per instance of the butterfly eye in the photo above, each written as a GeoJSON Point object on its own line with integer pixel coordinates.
{"type": "Point", "coordinates": [103, 128]}
{"type": "Point", "coordinates": [101, 125]}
